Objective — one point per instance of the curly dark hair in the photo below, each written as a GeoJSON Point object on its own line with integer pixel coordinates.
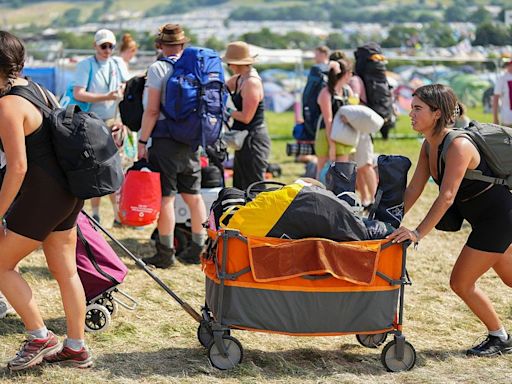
{"type": "Point", "coordinates": [442, 98]}
{"type": "Point", "coordinates": [12, 59]}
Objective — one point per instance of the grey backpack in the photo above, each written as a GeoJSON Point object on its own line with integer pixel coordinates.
{"type": "Point", "coordinates": [494, 142]}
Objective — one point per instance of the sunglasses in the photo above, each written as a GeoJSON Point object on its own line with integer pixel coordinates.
{"type": "Point", "coordinates": [107, 46]}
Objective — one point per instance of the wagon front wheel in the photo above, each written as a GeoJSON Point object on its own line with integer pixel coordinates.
{"type": "Point", "coordinates": [372, 341]}
{"type": "Point", "coordinates": [234, 353]}
{"type": "Point", "coordinates": [390, 360]}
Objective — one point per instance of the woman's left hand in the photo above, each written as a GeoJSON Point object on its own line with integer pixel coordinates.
{"type": "Point", "coordinates": [403, 234]}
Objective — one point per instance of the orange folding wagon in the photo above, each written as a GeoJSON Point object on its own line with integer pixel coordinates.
{"type": "Point", "coordinates": [306, 287]}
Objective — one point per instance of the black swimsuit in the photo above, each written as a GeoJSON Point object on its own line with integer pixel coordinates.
{"type": "Point", "coordinates": [44, 204]}
{"type": "Point", "coordinates": [488, 210]}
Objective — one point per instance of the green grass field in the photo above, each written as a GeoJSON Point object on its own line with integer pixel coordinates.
{"type": "Point", "coordinates": [156, 343]}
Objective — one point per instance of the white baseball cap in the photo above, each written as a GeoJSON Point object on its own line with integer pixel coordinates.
{"type": "Point", "coordinates": [104, 36]}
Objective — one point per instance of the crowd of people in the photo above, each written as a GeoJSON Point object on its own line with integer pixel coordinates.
{"type": "Point", "coordinates": [34, 186]}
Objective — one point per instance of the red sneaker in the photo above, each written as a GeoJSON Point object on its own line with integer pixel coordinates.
{"type": "Point", "coordinates": [70, 358]}
{"type": "Point", "coordinates": [33, 350]}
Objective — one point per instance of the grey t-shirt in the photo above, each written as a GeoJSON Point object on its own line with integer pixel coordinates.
{"type": "Point", "coordinates": [158, 74]}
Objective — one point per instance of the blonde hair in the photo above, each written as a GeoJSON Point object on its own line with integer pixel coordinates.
{"type": "Point", "coordinates": [127, 42]}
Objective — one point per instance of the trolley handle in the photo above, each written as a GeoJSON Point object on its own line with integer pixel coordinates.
{"type": "Point", "coordinates": [252, 191]}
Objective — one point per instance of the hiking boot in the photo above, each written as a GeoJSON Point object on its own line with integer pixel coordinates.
{"type": "Point", "coordinates": [191, 254]}
{"type": "Point", "coordinates": [97, 218]}
{"type": "Point", "coordinates": [164, 257]}
{"type": "Point", "coordinates": [70, 358]}
{"type": "Point", "coordinates": [33, 350]}
{"type": "Point", "coordinates": [5, 307]}
{"type": "Point", "coordinates": [491, 346]}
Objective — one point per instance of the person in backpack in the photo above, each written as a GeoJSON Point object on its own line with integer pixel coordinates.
{"type": "Point", "coordinates": [99, 81]}
{"type": "Point", "coordinates": [366, 179]}
{"type": "Point", "coordinates": [371, 67]}
{"type": "Point", "coordinates": [178, 163]}
{"type": "Point", "coordinates": [502, 100]}
{"type": "Point", "coordinates": [331, 98]}
{"type": "Point", "coordinates": [487, 207]}
{"type": "Point", "coordinates": [246, 88]}
{"type": "Point", "coordinates": [316, 80]}
{"type": "Point", "coordinates": [43, 214]}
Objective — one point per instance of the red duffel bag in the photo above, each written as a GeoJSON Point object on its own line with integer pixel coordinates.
{"type": "Point", "coordinates": [141, 195]}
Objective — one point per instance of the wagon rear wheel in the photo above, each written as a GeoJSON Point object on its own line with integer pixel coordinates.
{"type": "Point", "coordinates": [372, 341]}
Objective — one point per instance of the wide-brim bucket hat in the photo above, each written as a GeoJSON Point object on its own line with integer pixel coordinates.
{"type": "Point", "coordinates": [238, 53]}
{"type": "Point", "coordinates": [171, 34]}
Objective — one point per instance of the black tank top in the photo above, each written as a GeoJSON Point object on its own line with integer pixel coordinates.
{"type": "Point", "coordinates": [468, 188]}
{"type": "Point", "coordinates": [258, 121]}
{"type": "Point", "coordinates": [337, 101]}
{"type": "Point", "coordinates": [39, 147]}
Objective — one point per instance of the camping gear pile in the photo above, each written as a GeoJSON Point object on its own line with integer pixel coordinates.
{"type": "Point", "coordinates": [289, 251]}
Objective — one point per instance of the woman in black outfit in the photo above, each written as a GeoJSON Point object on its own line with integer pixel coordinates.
{"type": "Point", "coordinates": [487, 207]}
{"type": "Point", "coordinates": [44, 213]}
{"type": "Point", "coordinates": [246, 91]}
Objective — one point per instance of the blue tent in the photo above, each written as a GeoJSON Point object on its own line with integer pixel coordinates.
{"type": "Point", "coordinates": [42, 75]}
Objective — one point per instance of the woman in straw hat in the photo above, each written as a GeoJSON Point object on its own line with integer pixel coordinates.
{"type": "Point", "coordinates": [246, 90]}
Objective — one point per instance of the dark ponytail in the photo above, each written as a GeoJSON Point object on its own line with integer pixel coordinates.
{"type": "Point", "coordinates": [12, 59]}
{"type": "Point", "coordinates": [339, 68]}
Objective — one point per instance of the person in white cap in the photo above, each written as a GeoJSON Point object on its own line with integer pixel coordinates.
{"type": "Point", "coordinates": [99, 80]}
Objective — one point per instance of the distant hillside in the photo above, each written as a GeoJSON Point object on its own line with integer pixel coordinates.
{"type": "Point", "coordinates": [59, 13]}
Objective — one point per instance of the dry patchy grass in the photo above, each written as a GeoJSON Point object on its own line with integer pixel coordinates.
{"type": "Point", "coordinates": [157, 342]}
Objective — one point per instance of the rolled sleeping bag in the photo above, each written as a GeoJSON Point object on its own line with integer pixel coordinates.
{"type": "Point", "coordinates": [343, 133]}
{"type": "Point", "coordinates": [362, 118]}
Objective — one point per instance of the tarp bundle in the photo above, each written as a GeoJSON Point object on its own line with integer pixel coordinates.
{"type": "Point", "coordinates": [298, 211]}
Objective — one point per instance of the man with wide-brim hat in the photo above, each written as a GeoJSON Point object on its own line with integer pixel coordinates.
{"type": "Point", "coordinates": [246, 87]}
{"type": "Point", "coordinates": [178, 164]}
{"type": "Point", "coordinates": [171, 34]}
{"type": "Point", "coordinates": [502, 100]}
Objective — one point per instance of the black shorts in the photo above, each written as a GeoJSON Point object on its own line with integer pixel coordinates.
{"type": "Point", "coordinates": [178, 164]}
{"type": "Point", "coordinates": [490, 215]}
{"type": "Point", "coordinates": [42, 206]}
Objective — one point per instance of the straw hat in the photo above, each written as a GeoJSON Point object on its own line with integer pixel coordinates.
{"type": "Point", "coordinates": [171, 34]}
{"type": "Point", "coordinates": [237, 53]}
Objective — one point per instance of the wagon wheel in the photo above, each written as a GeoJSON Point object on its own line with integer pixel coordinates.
{"type": "Point", "coordinates": [372, 341]}
{"type": "Point", "coordinates": [390, 361]}
{"type": "Point", "coordinates": [109, 303]}
{"type": "Point", "coordinates": [235, 353]}
{"type": "Point", "coordinates": [97, 318]}
{"type": "Point", "coordinates": [205, 333]}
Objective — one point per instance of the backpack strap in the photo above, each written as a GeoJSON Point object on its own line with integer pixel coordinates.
{"type": "Point", "coordinates": [471, 174]}
{"type": "Point", "coordinates": [30, 96]}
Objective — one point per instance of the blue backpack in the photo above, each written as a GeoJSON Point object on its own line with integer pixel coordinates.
{"type": "Point", "coordinates": [195, 97]}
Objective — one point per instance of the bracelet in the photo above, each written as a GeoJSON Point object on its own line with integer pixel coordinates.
{"type": "Point", "coordinates": [417, 234]}
{"type": "Point", "coordinates": [142, 142]}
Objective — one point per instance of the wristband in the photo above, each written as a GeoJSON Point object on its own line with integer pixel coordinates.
{"type": "Point", "coordinates": [417, 234]}
{"type": "Point", "coordinates": [142, 142]}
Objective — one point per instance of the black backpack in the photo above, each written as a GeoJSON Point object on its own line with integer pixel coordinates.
{"type": "Point", "coordinates": [317, 79]}
{"type": "Point", "coordinates": [83, 145]}
{"type": "Point", "coordinates": [378, 92]}
{"type": "Point", "coordinates": [130, 107]}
